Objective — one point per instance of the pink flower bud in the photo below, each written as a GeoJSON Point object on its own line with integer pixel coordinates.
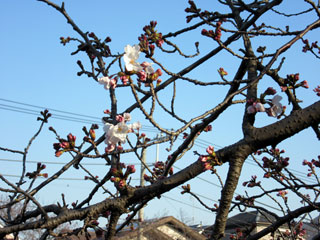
{"type": "Point", "coordinates": [153, 23]}
{"type": "Point", "coordinates": [204, 32]}
{"type": "Point", "coordinates": [305, 84]}
{"type": "Point", "coordinates": [58, 153]}
{"type": "Point", "coordinates": [142, 75]}
{"type": "Point", "coordinates": [92, 134]}
{"type": "Point", "coordinates": [107, 111]}
{"type": "Point", "coordinates": [159, 72]}
{"type": "Point", "coordinates": [131, 169]}
{"type": "Point", "coordinates": [210, 150]}
{"type": "Point", "coordinates": [120, 118]}
{"type": "Point", "coordinates": [110, 148]}
{"type": "Point", "coordinates": [270, 91]}
{"type": "Point", "coordinates": [71, 138]}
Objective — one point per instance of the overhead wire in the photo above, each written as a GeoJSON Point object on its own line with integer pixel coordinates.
{"type": "Point", "coordinates": [199, 142]}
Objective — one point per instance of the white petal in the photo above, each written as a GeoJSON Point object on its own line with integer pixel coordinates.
{"type": "Point", "coordinates": [276, 99]}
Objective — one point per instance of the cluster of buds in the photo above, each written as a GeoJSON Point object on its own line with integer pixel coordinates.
{"type": "Point", "coordinates": [97, 44]}
{"type": "Point", "coordinates": [216, 35]}
{"type": "Point", "coordinates": [275, 110]}
{"type": "Point", "coordinates": [144, 71]}
{"type": "Point", "coordinates": [142, 138]}
{"type": "Point", "coordinates": [312, 164]}
{"type": "Point", "coordinates": [317, 90]}
{"type": "Point", "coordinates": [291, 82]}
{"type": "Point", "coordinates": [126, 117]}
{"type": "Point", "coordinates": [257, 105]}
{"type": "Point", "coordinates": [193, 8]}
{"type": "Point", "coordinates": [222, 72]}
{"type": "Point", "coordinates": [64, 41]}
{"type": "Point", "coordinates": [246, 201]}
{"type": "Point", "coordinates": [34, 174]}
{"type": "Point", "coordinates": [124, 78]}
{"type": "Point", "coordinates": [252, 183]}
{"type": "Point", "coordinates": [158, 171]}
{"type": "Point", "coordinates": [186, 189]}
{"type": "Point", "coordinates": [94, 179]}
{"type": "Point", "coordinates": [297, 232]}
{"type": "Point", "coordinates": [45, 115]}
{"type": "Point", "coordinates": [64, 145]}
{"type": "Point", "coordinates": [209, 161]}
{"type": "Point", "coordinates": [276, 163]}
{"type": "Point", "coordinates": [119, 178]}
{"type": "Point", "coordinates": [147, 75]}
{"type": "Point", "coordinates": [308, 47]}
{"type": "Point", "coordinates": [283, 194]}
{"type": "Point", "coordinates": [150, 35]}
{"type": "Point", "coordinates": [159, 167]}
{"type": "Point", "coordinates": [208, 128]}
{"type": "Point", "coordinates": [91, 134]}
{"type": "Point", "coordinates": [195, 12]}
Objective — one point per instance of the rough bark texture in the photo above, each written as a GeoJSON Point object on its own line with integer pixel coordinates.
{"type": "Point", "coordinates": [240, 90]}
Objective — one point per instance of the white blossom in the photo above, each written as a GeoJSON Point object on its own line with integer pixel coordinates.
{"type": "Point", "coordinates": [116, 133]}
{"type": "Point", "coordinates": [276, 108]}
{"type": "Point", "coordinates": [105, 81]}
{"type": "Point", "coordinates": [135, 126]}
{"type": "Point", "coordinates": [130, 57]}
{"type": "Point", "coordinates": [147, 67]}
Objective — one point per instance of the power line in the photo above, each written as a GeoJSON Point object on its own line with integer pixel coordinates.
{"type": "Point", "coordinates": [199, 142]}
{"type": "Point", "coordinates": [63, 179]}
{"type": "Point", "coordinates": [202, 209]}
{"type": "Point", "coordinates": [51, 109]}
{"type": "Point", "coordinates": [61, 163]}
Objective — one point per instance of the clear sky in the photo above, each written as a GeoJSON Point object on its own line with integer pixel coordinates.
{"type": "Point", "coordinates": [36, 69]}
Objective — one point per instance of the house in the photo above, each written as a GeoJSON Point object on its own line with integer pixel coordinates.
{"type": "Point", "coordinates": [166, 228]}
{"type": "Point", "coordinates": [257, 221]}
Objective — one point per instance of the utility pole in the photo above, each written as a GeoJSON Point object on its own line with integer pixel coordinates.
{"type": "Point", "coordinates": [157, 149]}
{"type": "Point", "coordinates": [143, 170]}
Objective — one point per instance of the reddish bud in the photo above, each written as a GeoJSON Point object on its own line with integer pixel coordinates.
{"type": "Point", "coordinates": [108, 39]}
{"type": "Point", "coordinates": [204, 32]}
{"type": "Point", "coordinates": [131, 169]}
{"type": "Point", "coordinates": [58, 153]}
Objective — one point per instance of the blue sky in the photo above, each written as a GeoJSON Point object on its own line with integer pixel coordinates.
{"type": "Point", "coordinates": [36, 69]}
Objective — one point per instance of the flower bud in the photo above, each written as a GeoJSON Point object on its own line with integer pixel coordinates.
{"type": "Point", "coordinates": [131, 169]}
{"type": "Point", "coordinates": [92, 134]}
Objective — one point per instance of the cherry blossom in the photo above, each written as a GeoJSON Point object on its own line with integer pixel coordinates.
{"type": "Point", "coordinates": [107, 82]}
{"type": "Point", "coordinates": [127, 117]}
{"type": "Point", "coordinates": [136, 125]}
{"type": "Point", "coordinates": [147, 67]}
{"type": "Point", "coordinates": [210, 150]}
{"type": "Point", "coordinates": [276, 108]}
{"type": "Point", "coordinates": [116, 133]}
{"type": "Point", "coordinates": [131, 56]}
{"type": "Point", "coordinates": [256, 107]}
